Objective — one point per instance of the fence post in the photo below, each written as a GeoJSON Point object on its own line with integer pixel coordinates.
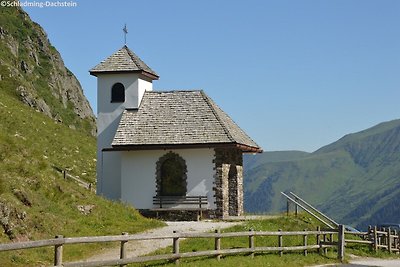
{"type": "Point", "coordinates": [398, 241]}
{"type": "Point", "coordinates": [65, 174]}
{"type": "Point", "coordinates": [305, 242]}
{"type": "Point", "coordinates": [175, 249]}
{"type": "Point", "coordinates": [325, 248]}
{"type": "Point", "coordinates": [58, 252]}
{"type": "Point", "coordinates": [389, 240]}
{"type": "Point", "coordinates": [318, 241]}
{"type": "Point", "coordinates": [296, 210]}
{"type": "Point", "coordinates": [341, 243]}
{"type": "Point", "coordinates": [280, 242]}
{"type": "Point", "coordinates": [122, 254]}
{"type": "Point", "coordinates": [217, 244]}
{"type": "Point", "coordinates": [375, 238]}
{"type": "Point", "coordinates": [369, 235]}
{"type": "Point", "coordinates": [251, 242]}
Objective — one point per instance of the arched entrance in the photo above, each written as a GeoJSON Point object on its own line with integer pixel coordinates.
{"type": "Point", "coordinates": [171, 175]}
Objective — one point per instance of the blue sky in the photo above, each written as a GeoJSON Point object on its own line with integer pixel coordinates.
{"type": "Point", "coordinates": [295, 75]}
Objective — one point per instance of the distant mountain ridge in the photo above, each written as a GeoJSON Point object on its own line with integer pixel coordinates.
{"type": "Point", "coordinates": [356, 179]}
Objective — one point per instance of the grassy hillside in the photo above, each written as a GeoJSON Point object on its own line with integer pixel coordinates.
{"type": "Point", "coordinates": [356, 180]}
{"type": "Point", "coordinates": [33, 70]}
{"type": "Point", "coordinates": [35, 202]}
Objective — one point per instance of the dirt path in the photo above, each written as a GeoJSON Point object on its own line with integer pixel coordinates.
{"type": "Point", "coordinates": [140, 248]}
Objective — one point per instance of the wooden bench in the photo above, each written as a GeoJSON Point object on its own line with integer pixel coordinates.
{"type": "Point", "coordinates": [181, 203]}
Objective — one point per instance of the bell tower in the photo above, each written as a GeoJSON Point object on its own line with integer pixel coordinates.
{"type": "Point", "coordinates": [122, 79]}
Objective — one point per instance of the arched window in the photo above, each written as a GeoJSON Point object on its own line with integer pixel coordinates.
{"type": "Point", "coordinates": [171, 175]}
{"type": "Point", "coordinates": [118, 93]}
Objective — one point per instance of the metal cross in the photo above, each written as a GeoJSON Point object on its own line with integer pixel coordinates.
{"type": "Point", "coordinates": [125, 32]}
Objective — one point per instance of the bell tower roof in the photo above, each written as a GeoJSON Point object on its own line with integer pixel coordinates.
{"type": "Point", "coordinates": [124, 60]}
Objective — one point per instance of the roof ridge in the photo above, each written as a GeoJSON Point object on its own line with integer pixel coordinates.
{"type": "Point", "coordinates": [207, 99]}
{"type": "Point", "coordinates": [133, 56]}
{"type": "Point", "coordinates": [161, 91]}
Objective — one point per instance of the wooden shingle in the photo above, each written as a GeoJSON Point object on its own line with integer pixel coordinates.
{"type": "Point", "coordinates": [179, 118]}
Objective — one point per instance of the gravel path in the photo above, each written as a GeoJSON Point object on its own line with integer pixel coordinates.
{"type": "Point", "coordinates": [140, 248]}
{"type": "Point", "coordinates": [375, 262]}
{"type": "Point", "coordinates": [365, 262]}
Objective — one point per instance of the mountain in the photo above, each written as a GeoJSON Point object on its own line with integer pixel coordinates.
{"type": "Point", "coordinates": [355, 180]}
{"type": "Point", "coordinates": [32, 70]}
{"type": "Point", "coordinates": [47, 125]}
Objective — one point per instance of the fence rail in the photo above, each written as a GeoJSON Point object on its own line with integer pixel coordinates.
{"type": "Point", "coordinates": [376, 239]}
{"type": "Point", "coordinates": [80, 182]}
{"type": "Point", "coordinates": [60, 241]}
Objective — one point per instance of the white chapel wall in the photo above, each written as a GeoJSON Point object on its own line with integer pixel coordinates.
{"type": "Point", "coordinates": [108, 117]}
{"type": "Point", "coordinates": [138, 172]}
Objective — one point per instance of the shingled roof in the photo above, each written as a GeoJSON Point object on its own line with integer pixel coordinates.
{"type": "Point", "coordinates": [179, 118]}
{"type": "Point", "coordinates": [124, 60]}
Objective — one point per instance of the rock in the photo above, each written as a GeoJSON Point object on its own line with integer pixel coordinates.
{"type": "Point", "coordinates": [43, 107]}
{"type": "Point", "coordinates": [24, 66]}
{"type": "Point", "coordinates": [23, 197]}
{"type": "Point", "coordinates": [85, 209]}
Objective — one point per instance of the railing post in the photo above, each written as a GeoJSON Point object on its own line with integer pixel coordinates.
{"type": "Point", "coordinates": [251, 242]}
{"type": "Point", "coordinates": [280, 242]}
{"type": "Point", "coordinates": [341, 242]}
{"type": "Point", "coordinates": [65, 174]}
{"type": "Point", "coordinates": [305, 242]}
{"type": "Point", "coordinates": [318, 241]}
{"type": "Point", "coordinates": [217, 244]}
{"type": "Point", "coordinates": [122, 254]}
{"type": "Point", "coordinates": [375, 238]}
{"type": "Point", "coordinates": [389, 239]}
{"type": "Point", "coordinates": [296, 210]}
{"type": "Point", "coordinates": [58, 253]}
{"type": "Point", "coordinates": [175, 248]}
{"type": "Point", "coordinates": [287, 207]}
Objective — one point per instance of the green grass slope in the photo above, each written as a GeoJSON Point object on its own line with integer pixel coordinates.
{"type": "Point", "coordinates": [35, 201]}
{"type": "Point", "coordinates": [356, 180]}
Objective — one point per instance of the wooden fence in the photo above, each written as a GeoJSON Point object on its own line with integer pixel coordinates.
{"type": "Point", "coordinates": [59, 242]}
{"type": "Point", "coordinates": [376, 239]}
{"type": "Point", "coordinates": [386, 239]}
{"type": "Point", "coordinates": [80, 182]}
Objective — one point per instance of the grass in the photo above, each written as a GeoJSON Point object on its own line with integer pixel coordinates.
{"type": "Point", "coordinates": [36, 203]}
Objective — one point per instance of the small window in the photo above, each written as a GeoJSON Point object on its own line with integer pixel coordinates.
{"type": "Point", "coordinates": [118, 93]}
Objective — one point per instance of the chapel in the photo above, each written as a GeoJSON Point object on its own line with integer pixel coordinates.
{"type": "Point", "coordinates": [165, 150]}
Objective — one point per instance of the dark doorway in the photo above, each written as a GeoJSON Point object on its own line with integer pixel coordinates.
{"type": "Point", "coordinates": [173, 176]}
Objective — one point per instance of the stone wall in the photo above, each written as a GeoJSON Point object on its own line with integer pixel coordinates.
{"type": "Point", "coordinates": [228, 182]}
